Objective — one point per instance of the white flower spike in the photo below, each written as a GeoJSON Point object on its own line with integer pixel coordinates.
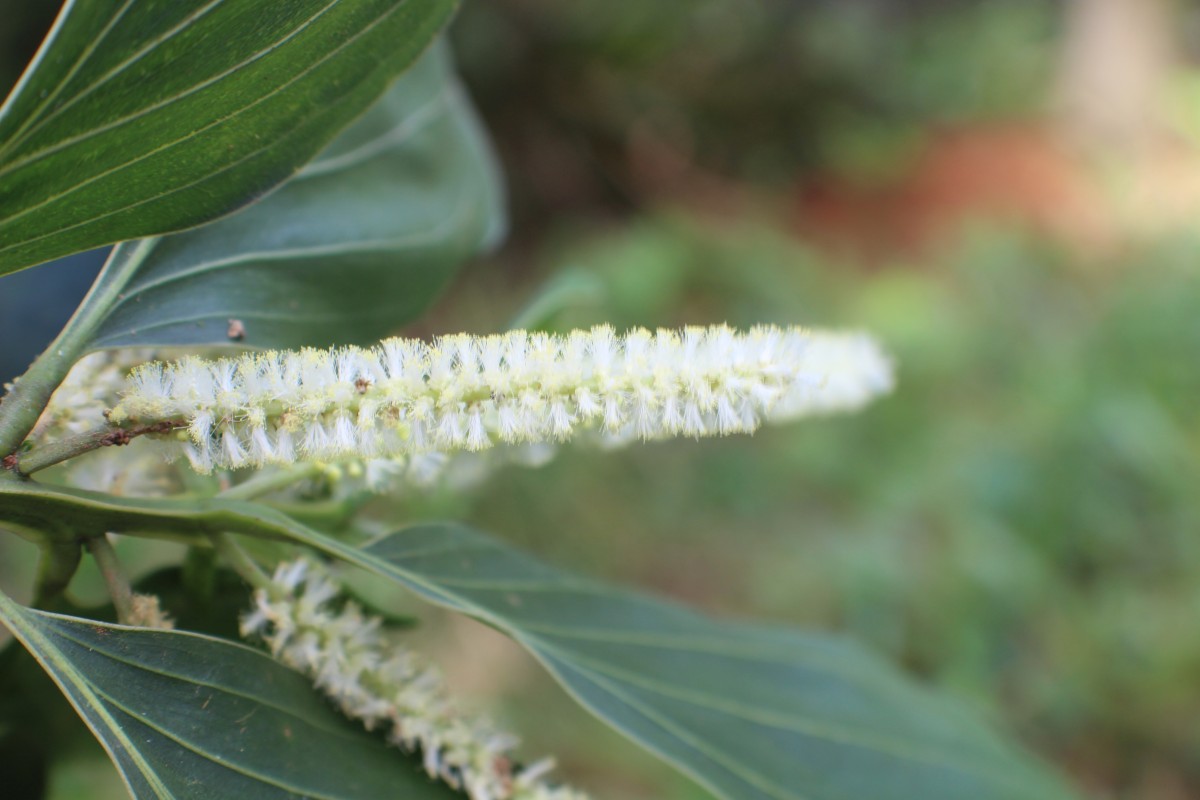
{"type": "Point", "coordinates": [463, 392]}
{"type": "Point", "coordinates": [343, 651]}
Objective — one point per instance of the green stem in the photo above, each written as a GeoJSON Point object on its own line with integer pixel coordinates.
{"type": "Point", "coordinates": [22, 406]}
{"type": "Point", "coordinates": [59, 560]}
{"type": "Point", "coordinates": [62, 449]}
{"type": "Point", "coordinates": [33, 505]}
{"type": "Point", "coordinates": [267, 482]}
{"type": "Point", "coordinates": [241, 562]}
{"type": "Point", "coordinates": [326, 514]}
{"type": "Point", "coordinates": [114, 577]}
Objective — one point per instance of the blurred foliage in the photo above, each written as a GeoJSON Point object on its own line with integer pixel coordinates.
{"type": "Point", "coordinates": [1017, 522]}
{"type": "Point", "coordinates": [587, 98]}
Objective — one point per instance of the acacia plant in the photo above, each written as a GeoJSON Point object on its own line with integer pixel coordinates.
{"type": "Point", "coordinates": [285, 184]}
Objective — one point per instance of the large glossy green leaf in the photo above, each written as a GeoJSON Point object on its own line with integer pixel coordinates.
{"type": "Point", "coordinates": [359, 242]}
{"type": "Point", "coordinates": [750, 712]}
{"type": "Point", "coordinates": [138, 118]}
{"type": "Point", "coordinates": [190, 716]}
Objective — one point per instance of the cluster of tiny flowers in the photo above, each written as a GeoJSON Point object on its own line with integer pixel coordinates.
{"type": "Point", "coordinates": [457, 472]}
{"type": "Point", "coordinates": [124, 471]}
{"type": "Point", "coordinates": [147, 612]}
{"type": "Point", "coordinates": [91, 387]}
{"type": "Point", "coordinates": [342, 650]}
{"type": "Point", "coordinates": [471, 393]}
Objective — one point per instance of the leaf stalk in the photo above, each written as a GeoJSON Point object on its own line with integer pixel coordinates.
{"type": "Point", "coordinates": [59, 560]}
{"type": "Point", "coordinates": [114, 576]}
{"type": "Point", "coordinates": [241, 562]}
{"type": "Point", "coordinates": [21, 408]}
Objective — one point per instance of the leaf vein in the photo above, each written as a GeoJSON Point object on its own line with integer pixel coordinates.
{"type": "Point", "coordinates": [207, 684]}
{"type": "Point", "coordinates": [50, 150]}
{"type": "Point", "coordinates": [106, 77]}
{"type": "Point", "coordinates": [789, 723]}
{"type": "Point", "coordinates": [169, 145]}
{"type": "Point", "coordinates": [424, 116]}
{"type": "Point", "coordinates": [20, 133]}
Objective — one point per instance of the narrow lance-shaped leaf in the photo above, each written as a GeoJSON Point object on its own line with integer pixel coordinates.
{"type": "Point", "coordinates": [188, 716]}
{"type": "Point", "coordinates": [138, 118]}
{"type": "Point", "coordinates": [358, 243]}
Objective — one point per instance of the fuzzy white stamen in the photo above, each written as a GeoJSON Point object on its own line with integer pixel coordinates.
{"type": "Point", "coordinates": [405, 397]}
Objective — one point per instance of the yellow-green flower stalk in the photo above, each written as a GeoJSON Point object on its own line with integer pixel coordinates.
{"type": "Point", "coordinates": [343, 651]}
{"type": "Point", "coordinates": [463, 392]}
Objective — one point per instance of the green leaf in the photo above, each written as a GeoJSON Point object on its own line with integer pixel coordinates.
{"type": "Point", "coordinates": [138, 118]}
{"type": "Point", "coordinates": [358, 243]}
{"type": "Point", "coordinates": [189, 716]}
{"type": "Point", "coordinates": [750, 712]}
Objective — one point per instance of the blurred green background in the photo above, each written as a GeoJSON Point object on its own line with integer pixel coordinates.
{"type": "Point", "coordinates": [1006, 194]}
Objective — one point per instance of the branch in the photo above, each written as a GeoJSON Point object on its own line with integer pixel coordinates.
{"type": "Point", "coordinates": [23, 405]}
{"type": "Point", "coordinates": [114, 577]}
{"type": "Point", "coordinates": [241, 562]}
{"type": "Point", "coordinates": [56, 452]}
